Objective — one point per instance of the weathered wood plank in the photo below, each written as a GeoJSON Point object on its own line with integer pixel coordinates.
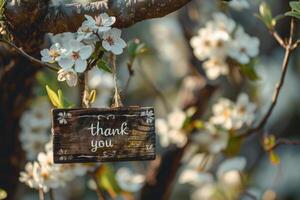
{"type": "Point", "coordinates": [103, 135]}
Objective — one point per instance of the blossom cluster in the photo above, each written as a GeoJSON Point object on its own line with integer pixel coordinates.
{"type": "Point", "coordinates": [35, 124]}
{"type": "Point", "coordinates": [73, 52]}
{"type": "Point", "coordinates": [129, 180]}
{"type": "Point", "coordinates": [239, 5]}
{"type": "Point", "coordinates": [227, 117]}
{"type": "Point", "coordinates": [170, 130]}
{"type": "Point", "coordinates": [228, 183]}
{"type": "Point", "coordinates": [222, 39]}
{"type": "Point", "coordinates": [43, 174]}
{"type": "Point", "coordinates": [233, 116]}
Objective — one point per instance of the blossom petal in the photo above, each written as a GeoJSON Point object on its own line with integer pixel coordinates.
{"type": "Point", "coordinates": [85, 52]}
{"type": "Point", "coordinates": [45, 52]}
{"type": "Point", "coordinates": [75, 45]}
{"type": "Point", "coordinates": [106, 45]}
{"type": "Point", "coordinates": [66, 63]}
{"type": "Point", "coordinates": [80, 65]}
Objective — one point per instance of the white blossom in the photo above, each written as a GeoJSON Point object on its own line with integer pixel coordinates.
{"type": "Point", "coordinates": [53, 54]}
{"type": "Point", "coordinates": [207, 192]}
{"type": "Point", "coordinates": [227, 183]}
{"type": "Point", "coordinates": [244, 47]}
{"type": "Point", "coordinates": [244, 110]}
{"type": "Point", "coordinates": [35, 124]}
{"type": "Point", "coordinates": [170, 130]}
{"type": "Point", "coordinates": [211, 139]}
{"type": "Point", "coordinates": [62, 38]}
{"type": "Point", "coordinates": [128, 180]}
{"type": "Point", "coordinates": [233, 164]}
{"type": "Point", "coordinates": [100, 23]}
{"type": "Point", "coordinates": [113, 42]}
{"type": "Point", "coordinates": [27, 175]}
{"type": "Point", "coordinates": [215, 67]}
{"type": "Point", "coordinates": [239, 4]}
{"type": "Point", "coordinates": [223, 114]}
{"type": "Point", "coordinates": [68, 75]}
{"type": "Point", "coordinates": [44, 174]}
{"type": "Point", "coordinates": [233, 116]}
{"type": "Point", "coordinates": [176, 119]}
{"type": "Point", "coordinates": [219, 40]}
{"type": "Point", "coordinates": [32, 144]}
{"type": "Point", "coordinates": [193, 175]}
{"type": "Point", "coordinates": [77, 54]}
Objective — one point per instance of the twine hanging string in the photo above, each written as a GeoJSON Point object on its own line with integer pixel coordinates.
{"type": "Point", "coordinates": [117, 102]}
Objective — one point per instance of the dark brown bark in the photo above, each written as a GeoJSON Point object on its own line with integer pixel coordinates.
{"type": "Point", "coordinates": [16, 80]}
{"type": "Point", "coordinates": [69, 17]}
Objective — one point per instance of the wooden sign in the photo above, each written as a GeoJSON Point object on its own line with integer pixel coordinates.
{"type": "Point", "coordinates": [93, 135]}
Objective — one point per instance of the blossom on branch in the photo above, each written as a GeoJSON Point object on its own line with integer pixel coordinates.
{"type": "Point", "coordinates": [219, 40]}
{"type": "Point", "coordinates": [53, 54]}
{"type": "Point", "coordinates": [233, 116]}
{"type": "Point", "coordinates": [76, 55]}
{"type": "Point", "coordinates": [68, 75]}
{"type": "Point", "coordinates": [170, 130]}
{"type": "Point", "coordinates": [43, 174]}
{"type": "Point", "coordinates": [128, 180]}
{"type": "Point", "coordinates": [100, 23]}
{"type": "Point", "coordinates": [239, 4]}
{"type": "Point", "coordinates": [113, 42]}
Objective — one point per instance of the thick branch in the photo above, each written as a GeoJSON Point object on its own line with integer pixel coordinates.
{"type": "Point", "coordinates": [70, 16]}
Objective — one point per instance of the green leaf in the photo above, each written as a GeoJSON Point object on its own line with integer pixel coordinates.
{"type": "Point", "coordinates": [199, 124]}
{"type": "Point", "coordinates": [293, 14]}
{"type": "Point", "coordinates": [274, 158]}
{"type": "Point", "coordinates": [295, 5]}
{"type": "Point", "coordinates": [61, 99]}
{"type": "Point", "coordinates": [269, 142]}
{"type": "Point", "coordinates": [136, 48]}
{"type": "Point", "coordinates": [106, 179]}
{"type": "Point", "coordinates": [265, 15]}
{"type": "Point", "coordinates": [103, 65]}
{"type": "Point", "coordinates": [92, 96]}
{"type": "Point", "coordinates": [2, 4]}
{"type": "Point", "coordinates": [53, 97]}
{"type": "Point", "coordinates": [248, 70]}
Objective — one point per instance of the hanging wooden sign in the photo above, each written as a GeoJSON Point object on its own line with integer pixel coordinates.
{"type": "Point", "coordinates": [94, 135]}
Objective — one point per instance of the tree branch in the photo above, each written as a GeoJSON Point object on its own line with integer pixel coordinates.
{"type": "Point", "coordinates": [282, 141]}
{"type": "Point", "coordinates": [288, 50]}
{"type": "Point", "coordinates": [29, 57]}
{"type": "Point", "coordinates": [69, 17]}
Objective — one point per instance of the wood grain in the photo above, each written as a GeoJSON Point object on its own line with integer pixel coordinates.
{"type": "Point", "coordinates": [75, 134]}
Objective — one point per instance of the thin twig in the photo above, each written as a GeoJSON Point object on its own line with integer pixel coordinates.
{"type": "Point", "coordinates": [41, 194]}
{"type": "Point", "coordinates": [282, 141]}
{"type": "Point", "coordinates": [296, 44]}
{"type": "Point", "coordinates": [278, 38]}
{"type": "Point", "coordinates": [29, 57]}
{"type": "Point", "coordinates": [288, 50]}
